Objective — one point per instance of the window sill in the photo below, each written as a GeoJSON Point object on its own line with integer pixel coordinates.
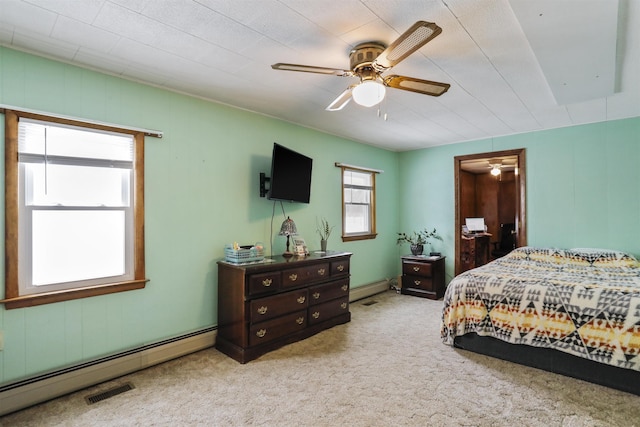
{"type": "Point", "coordinates": [354, 237]}
{"type": "Point", "coordinates": [71, 294]}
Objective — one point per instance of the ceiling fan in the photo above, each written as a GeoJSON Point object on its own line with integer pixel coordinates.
{"type": "Point", "coordinates": [496, 165]}
{"type": "Point", "coordinates": [368, 61]}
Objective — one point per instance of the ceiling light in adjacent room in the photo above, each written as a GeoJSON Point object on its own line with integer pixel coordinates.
{"type": "Point", "coordinates": [495, 170]}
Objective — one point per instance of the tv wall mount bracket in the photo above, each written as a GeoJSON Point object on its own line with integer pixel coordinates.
{"type": "Point", "coordinates": [263, 184]}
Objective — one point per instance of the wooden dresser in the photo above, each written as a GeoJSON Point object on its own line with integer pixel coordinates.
{"type": "Point", "coordinates": [263, 306]}
{"type": "Point", "coordinates": [423, 276]}
{"type": "Point", "coordinates": [474, 251]}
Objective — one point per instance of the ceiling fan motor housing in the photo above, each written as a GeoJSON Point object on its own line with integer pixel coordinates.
{"type": "Point", "coordinates": [362, 57]}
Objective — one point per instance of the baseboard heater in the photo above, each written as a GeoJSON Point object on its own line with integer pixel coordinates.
{"type": "Point", "coordinates": [40, 388]}
{"type": "Point", "coordinates": [28, 392]}
{"type": "Point", "coordinates": [366, 291]}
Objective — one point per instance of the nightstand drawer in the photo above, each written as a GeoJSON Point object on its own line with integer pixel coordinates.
{"type": "Point", "coordinates": [277, 305]}
{"type": "Point", "coordinates": [280, 326]}
{"type": "Point", "coordinates": [321, 293]}
{"type": "Point", "coordinates": [304, 275]}
{"type": "Point", "coordinates": [418, 282]}
{"type": "Point", "coordinates": [321, 312]}
{"type": "Point", "coordinates": [417, 268]}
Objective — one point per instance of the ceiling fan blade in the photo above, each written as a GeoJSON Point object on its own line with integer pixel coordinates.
{"type": "Point", "coordinates": [411, 40]}
{"type": "Point", "coordinates": [341, 101]}
{"type": "Point", "coordinates": [312, 69]}
{"type": "Point", "coordinates": [425, 87]}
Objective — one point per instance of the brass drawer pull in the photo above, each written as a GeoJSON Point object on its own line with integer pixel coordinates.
{"type": "Point", "coordinates": [321, 271]}
{"type": "Point", "coordinates": [300, 320]}
{"type": "Point", "coordinates": [261, 333]}
{"type": "Point", "coordinates": [262, 310]}
{"type": "Point", "coordinates": [343, 305]}
{"type": "Point", "coordinates": [267, 282]}
{"type": "Point", "coordinates": [301, 300]}
{"type": "Point", "coordinates": [316, 295]}
{"type": "Point", "coordinates": [316, 315]}
{"type": "Point", "coordinates": [415, 268]}
{"type": "Point", "coordinates": [293, 277]}
{"type": "Point", "coordinates": [340, 267]}
{"type": "Point", "coordinates": [416, 282]}
{"type": "Point", "coordinates": [345, 287]}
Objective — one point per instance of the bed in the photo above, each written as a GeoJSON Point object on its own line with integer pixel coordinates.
{"type": "Point", "coordinates": [575, 312]}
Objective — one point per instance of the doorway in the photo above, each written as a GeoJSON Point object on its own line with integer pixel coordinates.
{"type": "Point", "coordinates": [493, 186]}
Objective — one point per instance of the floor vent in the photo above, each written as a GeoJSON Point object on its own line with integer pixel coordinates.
{"type": "Point", "coordinates": [368, 303]}
{"type": "Point", "coordinates": [95, 398]}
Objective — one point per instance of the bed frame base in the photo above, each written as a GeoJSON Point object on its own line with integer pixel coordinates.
{"type": "Point", "coordinates": [553, 361]}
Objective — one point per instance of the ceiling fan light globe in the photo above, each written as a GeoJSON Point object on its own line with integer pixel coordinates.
{"type": "Point", "coordinates": [495, 171]}
{"type": "Point", "coordinates": [368, 93]}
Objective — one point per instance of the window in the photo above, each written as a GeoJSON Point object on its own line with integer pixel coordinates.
{"type": "Point", "coordinates": [74, 209]}
{"type": "Point", "coordinates": [358, 203]}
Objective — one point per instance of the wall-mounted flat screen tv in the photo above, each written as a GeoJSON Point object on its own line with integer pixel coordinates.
{"type": "Point", "coordinates": [290, 175]}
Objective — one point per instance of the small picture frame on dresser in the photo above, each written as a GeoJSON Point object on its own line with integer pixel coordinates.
{"type": "Point", "coordinates": [300, 246]}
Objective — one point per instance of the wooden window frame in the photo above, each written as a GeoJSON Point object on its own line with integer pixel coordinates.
{"type": "Point", "coordinates": [12, 298]}
{"type": "Point", "coordinates": [372, 205]}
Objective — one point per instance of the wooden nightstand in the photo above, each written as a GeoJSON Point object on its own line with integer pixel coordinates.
{"type": "Point", "coordinates": [423, 276]}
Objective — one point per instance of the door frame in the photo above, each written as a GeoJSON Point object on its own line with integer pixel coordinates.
{"type": "Point", "coordinates": [521, 192]}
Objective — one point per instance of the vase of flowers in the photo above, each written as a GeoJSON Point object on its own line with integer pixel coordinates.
{"type": "Point", "coordinates": [417, 239]}
{"type": "Point", "coordinates": [324, 230]}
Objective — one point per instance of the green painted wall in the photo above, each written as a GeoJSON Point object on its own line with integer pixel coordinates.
{"type": "Point", "coordinates": [202, 191]}
{"type": "Point", "coordinates": [583, 186]}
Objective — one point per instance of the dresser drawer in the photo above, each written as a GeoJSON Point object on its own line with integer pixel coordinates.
{"type": "Point", "coordinates": [417, 268]}
{"type": "Point", "coordinates": [304, 275]}
{"type": "Point", "coordinates": [277, 305]}
{"type": "Point", "coordinates": [339, 268]}
{"type": "Point", "coordinates": [322, 293]}
{"type": "Point", "coordinates": [325, 311]}
{"type": "Point", "coordinates": [419, 282]}
{"type": "Point", "coordinates": [265, 282]}
{"type": "Point", "coordinates": [270, 330]}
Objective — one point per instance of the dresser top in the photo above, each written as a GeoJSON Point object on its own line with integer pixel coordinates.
{"type": "Point", "coordinates": [278, 261]}
{"type": "Point", "coordinates": [422, 257]}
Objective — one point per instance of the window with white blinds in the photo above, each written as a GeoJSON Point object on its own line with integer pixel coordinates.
{"type": "Point", "coordinates": [76, 210]}
{"type": "Point", "coordinates": [77, 225]}
{"type": "Point", "coordinates": [358, 204]}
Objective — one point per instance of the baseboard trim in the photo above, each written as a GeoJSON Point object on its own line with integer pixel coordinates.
{"type": "Point", "coordinates": [366, 291]}
{"type": "Point", "coordinates": [23, 394]}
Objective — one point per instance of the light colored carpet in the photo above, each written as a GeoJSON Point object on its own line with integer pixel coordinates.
{"type": "Point", "coordinates": [387, 367]}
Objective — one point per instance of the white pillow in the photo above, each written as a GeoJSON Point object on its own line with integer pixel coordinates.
{"type": "Point", "coordinates": [606, 253]}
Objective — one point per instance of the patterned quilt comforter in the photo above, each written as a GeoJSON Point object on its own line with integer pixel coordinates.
{"type": "Point", "coordinates": [583, 302]}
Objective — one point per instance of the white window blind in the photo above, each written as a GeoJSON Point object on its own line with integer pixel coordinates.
{"type": "Point", "coordinates": [39, 140]}
{"type": "Point", "coordinates": [357, 201]}
{"type": "Point", "coordinates": [76, 217]}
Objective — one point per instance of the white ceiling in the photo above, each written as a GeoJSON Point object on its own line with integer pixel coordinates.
{"type": "Point", "coordinates": [514, 66]}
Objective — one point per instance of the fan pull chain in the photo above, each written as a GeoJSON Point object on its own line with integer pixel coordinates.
{"type": "Point", "coordinates": [385, 109]}
{"type": "Point", "coordinates": [384, 116]}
